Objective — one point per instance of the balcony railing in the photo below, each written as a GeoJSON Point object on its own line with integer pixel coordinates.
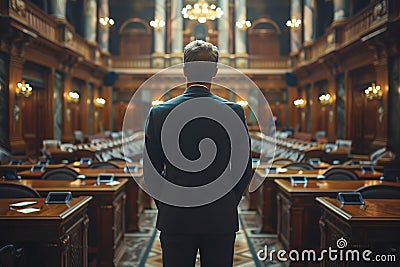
{"type": "Point", "coordinates": [342, 34]}
{"type": "Point", "coordinates": [38, 23]}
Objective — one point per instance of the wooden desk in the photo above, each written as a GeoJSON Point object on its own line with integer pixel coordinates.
{"type": "Point", "coordinates": [54, 236]}
{"type": "Point", "coordinates": [298, 212]}
{"type": "Point", "coordinates": [374, 226]}
{"type": "Point", "coordinates": [132, 201]}
{"type": "Point", "coordinates": [106, 213]}
{"type": "Point", "coordinates": [264, 199]}
{"type": "Point", "coordinates": [29, 166]}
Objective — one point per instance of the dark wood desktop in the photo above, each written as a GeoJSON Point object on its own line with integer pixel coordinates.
{"type": "Point", "coordinates": [264, 199]}
{"type": "Point", "coordinates": [57, 235]}
{"type": "Point", "coordinates": [299, 213]}
{"type": "Point", "coordinates": [374, 226]}
{"type": "Point", "coordinates": [106, 213]}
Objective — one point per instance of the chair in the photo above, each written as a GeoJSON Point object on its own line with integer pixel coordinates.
{"type": "Point", "coordinates": [11, 257]}
{"type": "Point", "coordinates": [298, 166]}
{"type": "Point", "coordinates": [103, 165]}
{"type": "Point", "coordinates": [340, 174]}
{"type": "Point", "coordinates": [392, 175]}
{"type": "Point", "coordinates": [313, 153]}
{"type": "Point", "coordinates": [10, 190]}
{"type": "Point", "coordinates": [380, 192]}
{"type": "Point", "coordinates": [282, 161]}
{"type": "Point", "coordinates": [60, 174]}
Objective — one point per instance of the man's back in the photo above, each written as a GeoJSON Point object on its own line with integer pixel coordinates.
{"type": "Point", "coordinates": [219, 216]}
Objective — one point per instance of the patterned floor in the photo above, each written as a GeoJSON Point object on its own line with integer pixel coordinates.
{"type": "Point", "coordinates": [143, 248]}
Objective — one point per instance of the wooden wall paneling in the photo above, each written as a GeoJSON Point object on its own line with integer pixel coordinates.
{"type": "Point", "coordinates": [96, 114]}
{"type": "Point", "coordinates": [315, 107]}
{"type": "Point", "coordinates": [17, 143]}
{"type": "Point", "coordinates": [119, 112]}
{"type": "Point", "coordinates": [84, 108]}
{"type": "Point", "coordinates": [293, 112]}
{"type": "Point", "coordinates": [107, 109]}
{"type": "Point", "coordinates": [67, 129]}
{"type": "Point", "coordinates": [382, 79]}
{"type": "Point", "coordinates": [331, 119]}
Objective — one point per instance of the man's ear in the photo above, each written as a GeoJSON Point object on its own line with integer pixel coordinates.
{"type": "Point", "coordinates": [215, 72]}
{"type": "Point", "coordinates": [184, 70]}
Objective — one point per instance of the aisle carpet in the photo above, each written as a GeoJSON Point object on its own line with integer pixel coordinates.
{"type": "Point", "coordinates": [143, 249]}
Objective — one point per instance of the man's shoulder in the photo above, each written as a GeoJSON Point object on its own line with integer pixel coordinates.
{"type": "Point", "coordinates": [233, 105]}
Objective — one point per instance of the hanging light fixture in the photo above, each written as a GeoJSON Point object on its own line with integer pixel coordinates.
{"type": "Point", "coordinates": [243, 24]}
{"type": "Point", "coordinates": [99, 102]}
{"type": "Point", "coordinates": [157, 23]}
{"type": "Point", "coordinates": [299, 103]}
{"type": "Point", "coordinates": [293, 23]}
{"type": "Point", "coordinates": [325, 99]}
{"type": "Point", "coordinates": [23, 89]}
{"type": "Point", "coordinates": [373, 92]}
{"type": "Point", "coordinates": [73, 97]}
{"type": "Point", "coordinates": [106, 21]}
{"type": "Point", "coordinates": [202, 11]}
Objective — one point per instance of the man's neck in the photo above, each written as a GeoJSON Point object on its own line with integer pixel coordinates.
{"type": "Point", "coordinates": [207, 85]}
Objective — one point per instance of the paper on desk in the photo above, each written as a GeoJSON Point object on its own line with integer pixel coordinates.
{"type": "Point", "coordinates": [28, 210]}
{"type": "Point", "coordinates": [23, 203]}
{"type": "Point", "coordinates": [113, 183]}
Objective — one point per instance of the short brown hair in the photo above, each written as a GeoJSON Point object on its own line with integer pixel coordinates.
{"type": "Point", "coordinates": [199, 50]}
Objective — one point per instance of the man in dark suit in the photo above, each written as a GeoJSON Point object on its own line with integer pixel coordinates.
{"type": "Point", "coordinates": [210, 228]}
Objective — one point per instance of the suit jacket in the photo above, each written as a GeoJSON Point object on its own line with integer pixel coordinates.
{"type": "Point", "coordinates": [219, 216]}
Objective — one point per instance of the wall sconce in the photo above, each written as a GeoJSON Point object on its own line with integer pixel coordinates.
{"type": "Point", "coordinates": [326, 99]}
{"type": "Point", "coordinates": [299, 103]}
{"type": "Point", "coordinates": [243, 103]}
{"type": "Point", "coordinates": [99, 102]}
{"type": "Point", "coordinates": [156, 102]}
{"type": "Point", "coordinates": [23, 89]}
{"type": "Point", "coordinates": [293, 23]}
{"type": "Point", "coordinates": [106, 22]}
{"type": "Point", "coordinates": [243, 24]}
{"type": "Point", "coordinates": [157, 23]}
{"type": "Point", "coordinates": [373, 92]}
{"type": "Point", "coordinates": [73, 97]}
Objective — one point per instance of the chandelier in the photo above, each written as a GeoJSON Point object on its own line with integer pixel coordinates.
{"type": "Point", "coordinates": [299, 103]}
{"type": "Point", "coordinates": [23, 89]}
{"type": "Point", "coordinates": [373, 92]}
{"type": "Point", "coordinates": [326, 99]}
{"type": "Point", "coordinates": [293, 23]}
{"type": "Point", "coordinates": [202, 11]}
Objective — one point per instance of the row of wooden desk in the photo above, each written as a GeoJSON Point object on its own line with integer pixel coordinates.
{"type": "Point", "coordinates": [56, 235]}
{"type": "Point", "coordinates": [264, 199]}
{"type": "Point", "coordinates": [309, 216]}
{"type": "Point", "coordinates": [112, 210]}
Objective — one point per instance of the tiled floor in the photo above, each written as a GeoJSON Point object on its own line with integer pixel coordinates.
{"type": "Point", "coordinates": [143, 248]}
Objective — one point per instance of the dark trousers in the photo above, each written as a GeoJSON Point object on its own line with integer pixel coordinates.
{"type": "Point", "coordinates": [180, 250]}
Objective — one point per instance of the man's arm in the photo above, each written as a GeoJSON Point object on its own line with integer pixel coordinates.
{"type": "Point", "coordinates": [243, 182]}
{"type": "Point", "coordinates": [153, 143]}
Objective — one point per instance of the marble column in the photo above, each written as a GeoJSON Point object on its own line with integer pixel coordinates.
{"type": "Point", "coordinates": [223, 27]}
{"type": "Point", "coordinates": [340, 10]}
{"type": "Point", "coordinates": [240, 36]}
{"type": "Point", "coordinates": [58, 80]}
{"type": "Point", "coordinates": [340, 105]}
{"type": "Point", "coordinates": [176, 32]}
{"type": "Point", "coordinates": [103, 31]}
{"type": "Point", "coordinates": [223, 32]}
{"type": "Point", "coordinates": [58, 8]}
{"type": "Point", "coordinates": [158, 58]}
{"type": "Point", "coordinates": [309, 21]}
{"type": "Point", "coordinates": [295, 33]}
{"type": "Point", "coordinates": [90, 20]}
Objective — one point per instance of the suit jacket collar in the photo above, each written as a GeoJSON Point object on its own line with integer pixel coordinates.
{"type": "Point", "coordinates": [198, 90]}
